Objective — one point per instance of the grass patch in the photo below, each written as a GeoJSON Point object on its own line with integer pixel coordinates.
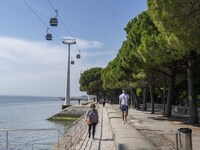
{"type": "Point", "coordinates": [65, 121]}
{"type": "Point", "coordinates": [70, 119]}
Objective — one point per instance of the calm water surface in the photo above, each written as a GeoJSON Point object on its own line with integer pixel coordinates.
{"type": "Point", "coordinates": [20, 112]}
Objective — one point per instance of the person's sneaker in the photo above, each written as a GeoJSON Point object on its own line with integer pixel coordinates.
{"type": "Point", "coordinates": [93, 138]}
{"type": "Point", "coordinates": [88, 136]}
{"type": "Point", "coordinates": [123, 122]}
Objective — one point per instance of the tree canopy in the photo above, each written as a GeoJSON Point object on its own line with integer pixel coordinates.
{"type": "Point", "coordinates": [179, 21]}
{"type": "Point", "coordinates": [161, 47]}
{"type": "Point", "coordinates": [90, 81]}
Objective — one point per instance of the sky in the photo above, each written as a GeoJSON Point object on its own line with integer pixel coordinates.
{"type": "Point", "coordinates": [32, 66]}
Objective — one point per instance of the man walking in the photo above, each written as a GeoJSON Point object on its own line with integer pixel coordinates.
{"type": "Point", "coordinates": [124, 103]}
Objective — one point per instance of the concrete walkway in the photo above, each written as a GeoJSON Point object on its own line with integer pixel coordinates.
{"type": "Point", "coordinates": [125, 136]}
{"type": "Point", "coordinates": [111, 134]}
{"type": "Point", "coordinates": [103, 137]}
{"type": "Point", "coordinates": [143, 131]}
{"type": "Point", "coordinates": [160, 130]}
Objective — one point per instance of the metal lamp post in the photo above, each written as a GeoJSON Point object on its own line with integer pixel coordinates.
{"type": "Point", "coordinates": [69, 42]}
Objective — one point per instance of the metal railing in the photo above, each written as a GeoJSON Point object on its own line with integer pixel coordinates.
{"type": "Point", "coordinates": [8, 143]}
{"type": "Point", "coordinates": [74, 132]}
{"type": "Point", "coordinates": [66, 140]}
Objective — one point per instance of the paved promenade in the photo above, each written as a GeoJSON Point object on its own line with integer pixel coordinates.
{"type": "Point", "coordinates": [103, 137]}
{"type": "Point", "coordinates": [143, 131]}
{"type": "Point", "coordinates": [160, 130]}
{"type": "Point", "coordinates": [113, 135]}
{"type": "Point", "coordinates": [125, 136]}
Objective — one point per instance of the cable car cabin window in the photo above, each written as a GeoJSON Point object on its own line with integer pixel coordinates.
{"type": "Point", "coordinates": [53, 21]}
{"type": "Point", "coordinates": [48, 36]}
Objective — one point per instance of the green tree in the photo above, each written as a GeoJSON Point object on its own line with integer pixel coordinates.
{"type": "Point", "coordinates": [179, 21]}
{"type": "Point", "coordinates": [151, 54]}
{"type": "Point", "coordinates": [90, 81]}
{"type": "Point", "coordinates": [115, 76]}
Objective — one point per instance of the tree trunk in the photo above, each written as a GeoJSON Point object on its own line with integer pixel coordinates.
{"type": "Point", "coordinates": [97, 94]}
{"type": "Point", "coordinates": [144, 99]}
{"type": "Point", "coordinates": [152, 98]}
{"type": "Point", "coordinates": [170, 94]}
{"type": "Point", "coordinates": [136, 99]}
{"type": "Point", "coordinates": [193, 113]}
{"type": "Point", "coordinates": [164, 97]}
{"type": "Point", "coordinates": [132, 99]}
{"type": "Point", "coordinates": [116, 98]}
{"type": "Point", "coordinates": [104, 95]}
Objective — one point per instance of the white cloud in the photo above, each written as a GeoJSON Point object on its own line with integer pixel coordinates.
{"type": "Point", "coordinates": [23, 55]}
{"type": "Point", "coordinates": [38, 68]}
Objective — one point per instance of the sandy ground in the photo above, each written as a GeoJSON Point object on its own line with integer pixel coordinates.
{"type": "Point", "coordinates": [161, 131]}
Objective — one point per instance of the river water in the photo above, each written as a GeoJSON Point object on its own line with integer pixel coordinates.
{"type": "Point", "coordinates": [26, 112]}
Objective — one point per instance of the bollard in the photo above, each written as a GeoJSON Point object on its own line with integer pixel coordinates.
{"type": "Point", "coordinates": [184, 139]}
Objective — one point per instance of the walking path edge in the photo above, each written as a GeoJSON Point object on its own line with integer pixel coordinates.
{"type": "Point", "coordinates": [125, 136]}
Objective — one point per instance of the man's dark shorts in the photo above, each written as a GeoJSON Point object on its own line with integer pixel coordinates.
{"type": "Point", "coordinates": [124, 108]}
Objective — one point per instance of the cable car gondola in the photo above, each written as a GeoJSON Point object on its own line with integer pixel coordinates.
{"type": "Point", "coordinates": [72, 62]}
{"type": "Point", "coordinates": [78, 56]}
{"type": "Point", "coordinates": [54, 21]}
{"type": "Point", "coordinates": [48, 35]}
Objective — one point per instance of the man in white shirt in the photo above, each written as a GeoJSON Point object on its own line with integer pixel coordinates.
{"type": "Point", "coordinates": [124, 104]}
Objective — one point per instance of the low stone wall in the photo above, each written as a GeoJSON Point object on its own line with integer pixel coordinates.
{"type": "Point", "coordinates": [74, 111]}
{"type": "Point", "coordinates": [88, 102]}
{"type": "Point", "coordinates": [68, 138]}
{"type": "Point", "coordinates": [175, 108]}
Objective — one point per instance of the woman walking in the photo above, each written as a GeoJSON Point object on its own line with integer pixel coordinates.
{"type": "Point", "coordinates": [92, 119]}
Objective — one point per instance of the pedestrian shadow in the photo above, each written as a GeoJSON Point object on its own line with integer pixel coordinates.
{"type": "Point", "coordinates": [115, 117]}
{"type": "Point", "coordinates": [86, 143]}
{"type": "Point", "coordinates": [107, 139]}
{"type": "Point", "coordinates": [99, 139]}
{"type": "Point", "coordinates": [149, 130]}
{"type": "Point", "coordinates": [112, 113]}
